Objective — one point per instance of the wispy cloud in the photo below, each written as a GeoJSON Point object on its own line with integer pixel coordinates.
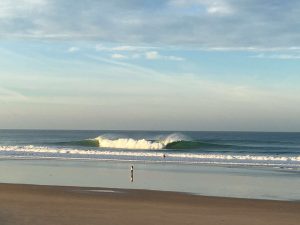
{"type": "Point", "coordinates": [141, 71]}
{"type": "Point", "coordinates": [11, 95]}
{"type": "Point", "coordinates": [136, 52]}
{"type": "Point", "coordinates": [211, 7]}
{"type": "Point", "coordinates": [231, 24]}
{"type": "Point", "coordinates": [250, 49]}
{"type": "Point", "coordinates": [118, 56]}
{"type": "Point", "coordinates": [278, 56]}
{"type": "Point", "coordinates": [73, 49]}
{"type": "Point", "coordinates": [150, 55]}
{"type": "Point", "coordinates": [18, 8]}
{"type": "Point", "coordinates": [154, 55]}
{"type": "Point", "coordinates": [141, 89]}
{"type": "Point", "coordinates": [123, 48]}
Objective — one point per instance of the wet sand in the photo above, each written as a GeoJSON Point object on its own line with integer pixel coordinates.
{"type": "Point", "coordinates": [45, 205]}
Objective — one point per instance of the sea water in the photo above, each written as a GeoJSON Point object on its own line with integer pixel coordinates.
{"type": "Point", "coordinates": [233, 164]}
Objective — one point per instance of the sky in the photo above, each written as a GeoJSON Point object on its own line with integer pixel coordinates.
{"type": "Point", "coordinates": [229, 65]}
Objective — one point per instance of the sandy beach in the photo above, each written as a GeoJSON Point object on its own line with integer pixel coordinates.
{"type": "Point", "coordinates": [55, 205]}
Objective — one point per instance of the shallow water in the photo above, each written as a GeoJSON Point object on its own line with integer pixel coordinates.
{"type": "Point", "coordinates": [256, 183]}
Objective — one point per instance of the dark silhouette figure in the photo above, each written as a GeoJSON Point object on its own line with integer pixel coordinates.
{"type": "Point", "coordinates": [131, 174]}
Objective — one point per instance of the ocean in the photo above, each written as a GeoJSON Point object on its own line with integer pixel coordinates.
{"type": "Point", "coordinates": [260, 149]}
{"type": "Point", "coordinates": [258, 165]}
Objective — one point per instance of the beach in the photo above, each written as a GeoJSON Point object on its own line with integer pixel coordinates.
{"type": "Point", "coordinates": [37, 204]}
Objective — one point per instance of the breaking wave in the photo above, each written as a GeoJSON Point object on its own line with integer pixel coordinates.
{"type": "Point", "coordinates": [130, 143]}
{"type": "Point", "coordinates": [172, 141]}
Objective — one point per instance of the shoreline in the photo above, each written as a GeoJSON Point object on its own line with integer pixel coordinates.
{"type": "Point", "coordinates": [249, 183]}
{"type": "Point", "coordinates": [63, 205]}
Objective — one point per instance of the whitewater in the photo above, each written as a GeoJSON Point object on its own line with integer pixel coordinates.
{"type": "Point", "coordinates": [130, 143]}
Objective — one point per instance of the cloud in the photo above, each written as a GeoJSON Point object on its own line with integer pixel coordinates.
{"type": "Point", "coordinates": [148, 94]}
{"type": "Point", "coordinates": [17, 8]}
{"type": "Point", "coordinates": [212, 7]}
{"type": "Point", "coordinates": [118, 56]}
{"type": "Point", "coordinates": [174, 58]}
{"type": "Point", "coordinates": [100, 47]}
{"type": "Point", "coordinates": [278, 56]}
{"type": "Point", "coordinates": [125, 48]}
{"type": "Point", "coordinates": [135, 52]}
{"type": "Point", "coordinates": [227, 24]}
{"type": "Point", "coordinates": [122, 48]}
{"type": "Point", "coordinates": [251, 49]}
{"type": "Point", "coordinates": [73, 49]}
{"type": "Point", "coordinates": [154, 55]}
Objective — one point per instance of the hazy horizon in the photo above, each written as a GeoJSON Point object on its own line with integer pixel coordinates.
{"type": "Point", "coordinates": [186, 65]}
{"type": "Point", "coordinates": [164, 131]}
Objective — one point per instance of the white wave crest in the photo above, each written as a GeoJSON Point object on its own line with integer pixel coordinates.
{"type": "Point", "coordinates": [130, 143]}
{"type": "Point", "coordinates": [32, 152]}
{"type": "Point", "coordinates": [229, 157]}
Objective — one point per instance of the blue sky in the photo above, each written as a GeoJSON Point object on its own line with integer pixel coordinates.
{"type": "Point", "coordinates": [170, 65]}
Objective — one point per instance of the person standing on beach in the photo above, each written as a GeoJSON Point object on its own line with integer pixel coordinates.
{"type": "Point", "coordinates": [131, 172]}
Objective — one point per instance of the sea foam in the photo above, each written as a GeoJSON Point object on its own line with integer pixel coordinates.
{"type": "Point", "coordinates": [32, 150]}
{"type": "Point", "coordinates": [130, 143]}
